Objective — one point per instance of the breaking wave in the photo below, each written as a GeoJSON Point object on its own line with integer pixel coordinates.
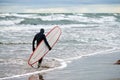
{"type": "Point", "coordinates": [3, 43]}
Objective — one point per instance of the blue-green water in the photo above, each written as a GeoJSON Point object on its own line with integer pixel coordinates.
{"type": "Point", "coordinates": [82, 35]}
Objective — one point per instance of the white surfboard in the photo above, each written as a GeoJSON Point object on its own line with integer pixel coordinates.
{"type": "Point", "coordinates": [41, 50]}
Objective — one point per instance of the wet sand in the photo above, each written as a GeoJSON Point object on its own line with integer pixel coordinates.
{"type": "Point", "coordinates": [96, 67]}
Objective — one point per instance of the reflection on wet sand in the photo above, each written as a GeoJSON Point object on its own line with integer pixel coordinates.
{"type": "Point", "coordinates": [36, 77]}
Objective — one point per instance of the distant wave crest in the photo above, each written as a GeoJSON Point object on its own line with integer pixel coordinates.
{"type": "Point", "coordinates": [40, 21]}
{"type": "Point", "coordinates": [10, 43]}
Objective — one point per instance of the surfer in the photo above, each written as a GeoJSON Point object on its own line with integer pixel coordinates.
{"type": "Point", "coordinates": [38, 38]}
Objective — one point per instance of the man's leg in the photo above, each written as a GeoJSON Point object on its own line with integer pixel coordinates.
{"type": "Point", "coordinates": [39, 62]}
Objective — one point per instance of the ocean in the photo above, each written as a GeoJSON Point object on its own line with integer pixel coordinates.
{"type": "Point", "coordinates": [83, 34]}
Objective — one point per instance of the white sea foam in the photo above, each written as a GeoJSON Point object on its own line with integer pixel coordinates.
{"type": "Point", "coordinates": [24, 27]}
{"type": "Point", "coordinates": [56, 17]}
{"type": "Point", "coordinates": [14, 61]}
{"type": "Point", "coordinates": [38, 27]}
{"type": "Point", "coordinates": [108, 18]}
{"type": "Point", "coordinates": [62, 62]}
{"type": "Point", "coordinates": [16, 15]}
{"type": "Point", "coordinates": [10, 22]}
{"type": "Point", "coordinates": [4, 15]}
{"type": "Point", "coordinates": [75, 17]}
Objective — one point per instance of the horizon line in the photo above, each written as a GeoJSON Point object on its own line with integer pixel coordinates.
{"type": "Point", "coordinates": [72, 9]}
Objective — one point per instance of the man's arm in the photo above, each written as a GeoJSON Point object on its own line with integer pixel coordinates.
{"type": "Point", "coordinates": [33, 43]}
{"type": "Point", "coordinates": [46, 42]}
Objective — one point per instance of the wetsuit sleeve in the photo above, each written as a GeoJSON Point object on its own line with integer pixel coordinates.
{"type": "Point", "coordinates": [33, 43]}
{"type": "Point", "coordinates": [46, 42]}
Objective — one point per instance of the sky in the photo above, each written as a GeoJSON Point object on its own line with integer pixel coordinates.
{"type": "Point", "coordinates": [60, 6]}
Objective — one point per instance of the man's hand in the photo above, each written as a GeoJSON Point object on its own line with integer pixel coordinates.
{"type": "Point", "coordinates": [50, 48]}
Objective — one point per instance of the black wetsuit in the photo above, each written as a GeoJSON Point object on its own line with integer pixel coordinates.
{"type": "Point", "coordinates": [39, 37]}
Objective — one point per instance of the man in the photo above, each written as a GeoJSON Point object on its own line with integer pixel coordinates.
{"type": "Point", "coordinates": [39, 37]}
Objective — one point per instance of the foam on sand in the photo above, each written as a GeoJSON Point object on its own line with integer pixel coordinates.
{"type": "Point", "coordinates": [62, 65]}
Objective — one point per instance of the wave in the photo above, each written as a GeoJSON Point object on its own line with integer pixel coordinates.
{"type": "Point", "coordinates": [2, 43]}
{"type": "Point", "coordinates": [16, 15]}
{"type": "Point", "coordinates": [10, 22]}
{"type": "Point", "coordinates": [58, 19]}
{"type": "Point", "coordinates": [55, 19]}
{"type": "Point", "coordinates": [40, 21]}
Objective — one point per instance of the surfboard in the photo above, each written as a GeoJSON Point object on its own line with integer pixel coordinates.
{"type": "Point", "coordinates": [41, 50]}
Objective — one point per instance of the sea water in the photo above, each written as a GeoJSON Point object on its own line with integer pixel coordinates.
{"type": "Point", "coordinates": [82, 35]}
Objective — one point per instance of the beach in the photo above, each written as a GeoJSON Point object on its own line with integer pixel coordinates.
{"type": "Point", "coordinates": [87, 48]}
{"type": "Point", "coordinates": [95, 67]}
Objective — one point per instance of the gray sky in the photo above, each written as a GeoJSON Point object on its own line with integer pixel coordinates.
{"type": "Point", "coordinates": [80, 6]}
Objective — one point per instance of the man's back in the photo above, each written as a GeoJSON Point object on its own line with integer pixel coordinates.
{"type": "Point", "coordinates": [39, 37]}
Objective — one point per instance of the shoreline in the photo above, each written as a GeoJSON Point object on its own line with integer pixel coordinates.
{"type": "Point", "coordinates": [41, 70]}
{"type": "Point", "coordinates": [94, 67]}
{"type": "Point", "coordinates": [100, 66]}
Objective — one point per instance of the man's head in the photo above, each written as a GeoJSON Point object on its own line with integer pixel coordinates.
{"type": "Point", "coordinates": [42, 30]}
